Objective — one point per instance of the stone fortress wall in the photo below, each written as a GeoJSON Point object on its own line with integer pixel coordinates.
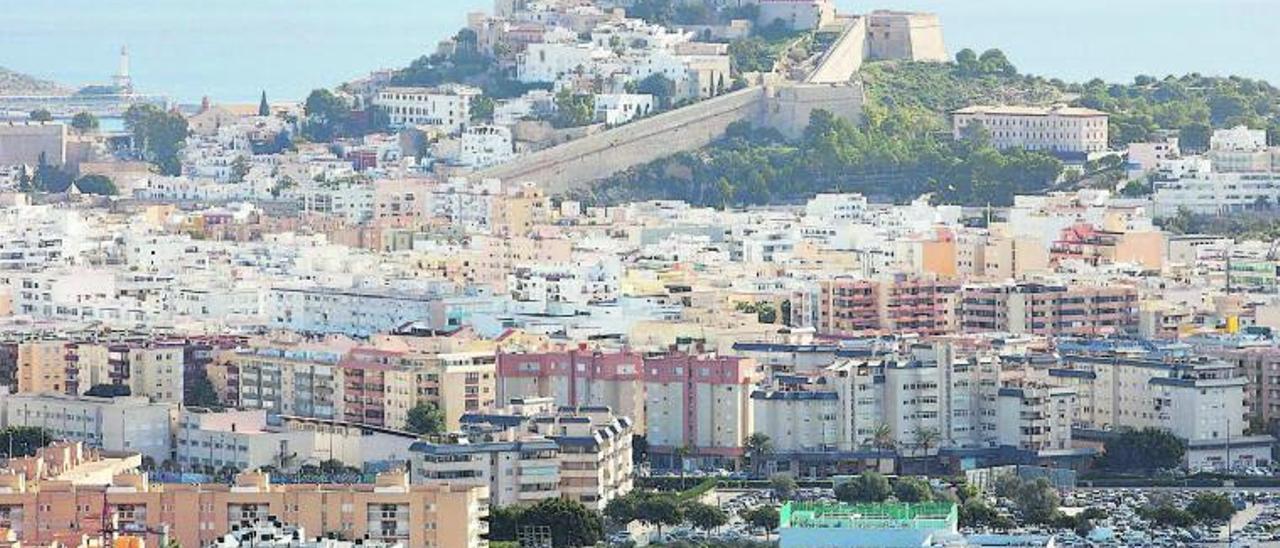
{"type": "Point", "coordinates": [780, 104]}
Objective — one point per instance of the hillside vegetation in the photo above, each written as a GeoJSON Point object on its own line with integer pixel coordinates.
{"type": "Point", "coordinates": [903, 147]}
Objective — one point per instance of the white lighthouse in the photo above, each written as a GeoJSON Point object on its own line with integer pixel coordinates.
{"type": "Point", "coordinates": [122, 80]}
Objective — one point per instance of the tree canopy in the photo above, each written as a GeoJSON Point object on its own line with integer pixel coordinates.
{"type": "Point", "coordinates": [1143, 450]}
{"type": "Point", "coordinates": [100, 185]}
{"type": "Point", "coordinates": [868, 487]}
{"type": "Point", "coordinates": [894, 154]}
{"type": "Point", "coordinates": [425, 418]}
{"type": "Point", "coordinates": [84, 122]}
{"type": "Point", "coordinates": [158, 134]}
{"type": "Point", "coordinates": [571, 523]}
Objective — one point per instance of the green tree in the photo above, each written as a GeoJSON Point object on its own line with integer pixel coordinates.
{"type": "Point", "coordinates": [239, 169]}
{"type": "Point", "coordinates": [425, 418]}
{"type": "Point", "coordinates": [1211, 507]}
{"type": "Point", "coordinates": [705, 516]}
{"type": "Point", "coordinates": [976, 513]}
{"type": "Point", "coordinates": [41, 115]}
{"type": "Point", "coordinates": [662, 89]}
{"type": "Point", "coordinates": [909, 489]}
{"type": "Point", "coordinates": [765, 517]}
{"type": "Point", "coordinates": [1037, 501]}
{"type": "Point", "coordinates": [23, 441]}
{"type": "Point", "coordinates": [1167, 515]}
{"type": "Point", "coordinates": [100, 185]}
{"type": "Point", "coordinates": [993, 61]}
{"type": "Point", "coordinates": [574, 109]}
{"type": "Point", "coordinates": [783, 485]}
{"type": "Point", "coordinates": [482, 108]}
{"type": "Point", "coordinates": [158, 134]}
{"type": "Point", "coordinates": [867, 487]}
{"type": "Point", "coordinates": [1144, 450]}
{"type": "Point", "coordinates": [967, 62]}
{"type": "Point", "coordinates": [925, 438]}
{"type": "Point", "coordinates": [659, 510]}
{"type": "Point", "coordinates": [571, 523]}
{"type": "Point", "coordinates": [758, 447]}
{"type": "Point", "coordinates": [200, 392]}
{"type": "Point", "coordinates": [504, 522]}
{"type": "Point", "coordinates": [264, 108]}
{"type": "Point", "coordinates": [84, 122]}
{"type": "Point", "coordinates": [327, 116]}
{"type": "Point", "coordinates": [624, 509]}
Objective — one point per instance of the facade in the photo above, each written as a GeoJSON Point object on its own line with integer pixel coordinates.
{"type": "Point", "coordinates": [446, 108]}
{"type": "Point", "coordinates": [1058, 129]}
{"type": "Point", "coordinates": [909, 36]}
{"type": "Point", "coordinates": [864, 306]}
{"type": "Point", "coordinates": [123, 424]}
{"type": "Point", "coordinates": [577, 377]}
{"type": "Point", "coordinates": [390, 510]}
{"type": "Point", "coordinates": [532, 450]}
{"type": "Point", "coordinates": [29, 143]}
{"type": "Point", "coordinates": [1056, 310]}
{"type": "Point", "coordinates": [797, 420]}
{"type": "Point", "coordinates": [1201, 401]}
{"type": "Point", "coordinates": [244, 440]}
{"type": "Point", "coordinates": [619, 108]}
{"type": "Point", "coordinates": [1036, 418]}
{"type": "Point", "coordinates": [797, 14]}
{"type": "Point", "coordinates": [486, 146]}
{"type": "Point", "coordinates": [701, 403]}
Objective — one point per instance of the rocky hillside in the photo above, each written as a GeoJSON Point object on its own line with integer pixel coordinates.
{"type": "Point", "coordinates": [14, 83]}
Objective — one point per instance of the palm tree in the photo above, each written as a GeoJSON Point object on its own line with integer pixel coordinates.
{"type": "Point", "coordinates": [681, 454]}
{"type": "Point", "coordinates": [882, 440]}
{"type": "Point", "coordinates": [758, 448]}
{"type": "Point", "coordinates": [925, 437]}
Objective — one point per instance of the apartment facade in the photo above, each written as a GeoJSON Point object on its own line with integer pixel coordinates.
{"type": "Point", "coordinates": [446, 108]}
{"type": "Point", "coordinates": [126, 423]}
{"type": "Point", "coordinates": [390, 510]}
{"type": "Point", "coordinates": [1051, 310]}
{"type": "Point", "coordinates": [533, 450]}
{"type": "Point", "coordinates": [702, 403]}
{"type": "Point", "coordinates": [852, 306]}
{"type": "Point", "coordinates": [577, 377]}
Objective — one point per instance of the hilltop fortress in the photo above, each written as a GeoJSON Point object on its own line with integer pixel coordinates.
{"type": "Point", "coordinates": [780, 101]}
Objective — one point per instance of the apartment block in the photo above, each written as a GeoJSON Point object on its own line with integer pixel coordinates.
{"type": "Point", "coordinates": [390, 510]}
{"type": "Point", "coordinates": [1199, 400]}
{"type": "Point", "coordinates": [1053, 310]}
{"type": "Point", "coordinates": [853, 306]}
{"type": "Point", "coordinates": [702, 403]}
{"type": "Point", "coordinates": [577, 377]}
{"type": "Point", "coordinates": [125, 423]}
{"type": "Point", "coordinates": [533, 450]}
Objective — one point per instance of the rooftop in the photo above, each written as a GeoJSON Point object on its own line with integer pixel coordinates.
{"type": "Point", "coordinates": [929, 515]}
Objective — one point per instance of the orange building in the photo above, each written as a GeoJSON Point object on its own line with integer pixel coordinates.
{"type": "Point", "coordinates": [391, 510]}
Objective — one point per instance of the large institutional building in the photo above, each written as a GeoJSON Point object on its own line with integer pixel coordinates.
{"type": "Point", "coordinates": [1058, 129]}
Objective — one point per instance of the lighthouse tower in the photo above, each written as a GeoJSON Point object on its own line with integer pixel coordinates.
{"type": "Point", "coordinates": [122, 80]}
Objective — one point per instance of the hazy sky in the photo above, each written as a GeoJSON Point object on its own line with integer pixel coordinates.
{"type": "Point", "coordinates": [232, 49]}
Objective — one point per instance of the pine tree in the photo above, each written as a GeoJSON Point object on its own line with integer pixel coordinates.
{"type": "Point", "coordinates": [264, 109]}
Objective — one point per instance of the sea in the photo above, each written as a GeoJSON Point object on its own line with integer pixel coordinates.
{"type": "Point", "coordinates": [233, 50]}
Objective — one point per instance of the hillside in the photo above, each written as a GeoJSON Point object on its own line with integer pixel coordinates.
{"type": "Point", "coordinates": [904, 149]}
{"type": "Point", "coordinates": [15, 83]}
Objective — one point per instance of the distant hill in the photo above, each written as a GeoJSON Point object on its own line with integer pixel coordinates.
{"type": "Point", "coordinates": [15, 83]}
